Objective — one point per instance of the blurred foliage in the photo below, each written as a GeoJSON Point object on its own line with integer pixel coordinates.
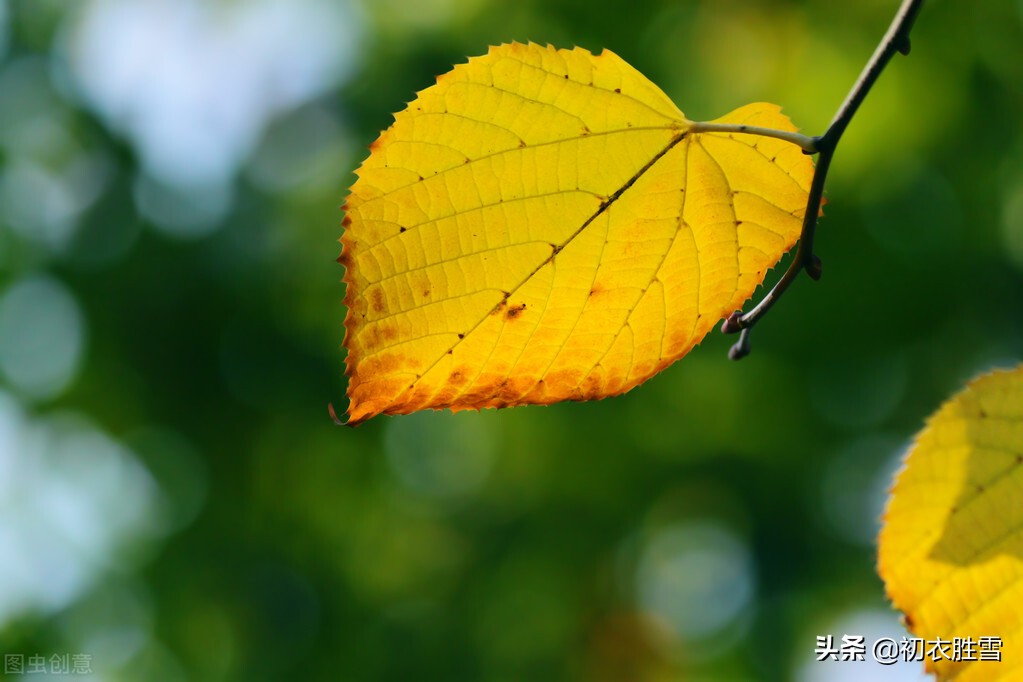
{"type": "Point", "coordinates": [168, 349]}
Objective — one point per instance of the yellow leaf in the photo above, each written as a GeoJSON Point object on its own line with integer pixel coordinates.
{"type": "Point", "coordinates": [541, 225]}
{"type": "Point", "coordinates": [951, 547]}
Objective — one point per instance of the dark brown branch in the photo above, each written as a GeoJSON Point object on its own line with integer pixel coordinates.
{"type": "Point", "coordinates": [895, 40]}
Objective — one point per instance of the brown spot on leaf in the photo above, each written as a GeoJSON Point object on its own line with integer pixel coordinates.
{"type": "Point", "coordinates": [484, 388]}
{"type": "Point", "coordinates": [380, 334]}
{"type": "Point", "coordinates": [511, 390]}
{"type": "Point", "coordinates": [382, 364]}
{"type": "Point", "coordinates": [401, 229]}
{"type": "Point", "coordinates": [346, 221]}
{"type": "Point", "coordinates": [618, 90]}
{"type": "Point", "coordinates": [591, 386]}
{"type": "Point", "coordinates": [377, 299]}
{"type": "Point", "coordinates": [614, 385]}
{"type": "Point", "coordinates": [514, 311]}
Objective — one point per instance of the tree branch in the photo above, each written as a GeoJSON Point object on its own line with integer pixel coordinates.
{"type": "Point", "coordinates": [896, 39]}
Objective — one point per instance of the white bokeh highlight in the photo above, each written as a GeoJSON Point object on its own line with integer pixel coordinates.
{"type": "Point", "coordinates": [192, 84]}
{"type": "Point", "coordinates": [51, 175]}
{"type": "Point", "coordinates": [70, 497]}
{"type": "Point", "coordinates": [696, 578]}
{"type": "Point", "coordinates": [42, 337]}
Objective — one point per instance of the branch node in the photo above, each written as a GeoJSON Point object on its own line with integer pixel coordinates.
{"type": "Point", "coordinates": [814, 146]}
{"type": "Point", "coordinates": [740, 348]}
{"type": "Point", "coordinates": [732, 323]}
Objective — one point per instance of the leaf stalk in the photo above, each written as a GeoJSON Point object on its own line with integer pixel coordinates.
{"type": "Point", "coordinates": [808, 144]}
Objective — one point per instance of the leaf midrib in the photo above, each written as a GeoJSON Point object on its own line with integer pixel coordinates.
{"type": "Point", "coordinates": [558, 248]}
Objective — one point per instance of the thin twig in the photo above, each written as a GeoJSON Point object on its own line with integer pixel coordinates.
{"type": "Point", "coordinates": [896, 39]}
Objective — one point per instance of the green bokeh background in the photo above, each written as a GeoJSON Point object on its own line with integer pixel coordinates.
{"type": "Point", "coordinates": [706, 526]}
